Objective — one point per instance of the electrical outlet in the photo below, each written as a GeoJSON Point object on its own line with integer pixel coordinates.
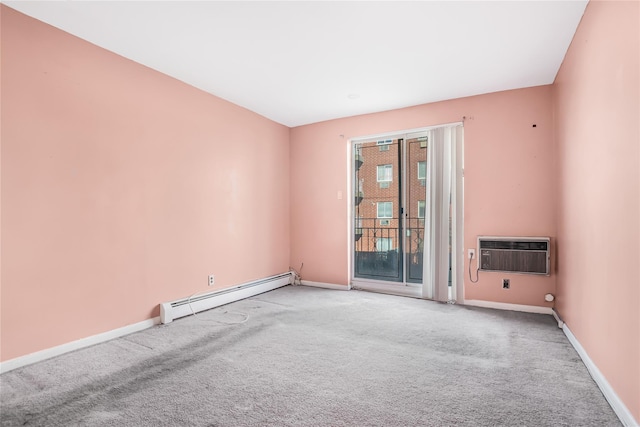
{"type": "Point", "coordinates": [505, 283]}
{"type": "Point", "coordinates": [471, 253]}
{"type": "Point", "coordinates": [212, 280]}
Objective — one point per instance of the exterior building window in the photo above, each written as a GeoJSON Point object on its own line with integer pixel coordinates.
{"type": "Point", "coordinates": [385, 173]}
{"type": "Point", "coordinates": [422, 173]}
{"type": "Point", "coordinates": [422, 170]}
{"type": "Point", "coordinates": [385, 209]}
{"type": "Point", "coordinates": [421, 207]}
{"type": "Point", "coordinates": [384, 144]}
{"type": "Point", "coordinates": [384, 244]}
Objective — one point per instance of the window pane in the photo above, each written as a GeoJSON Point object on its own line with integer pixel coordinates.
{"type": "Point", "coordinates": [384, 244]}
{"type": "Point", "coordinates": [421, 206]}
{"type": "Point", "coordinates": [422, 170]}
{"type": "Point", "coordinates": [385, 173]}
{"type": "Point", "coordinates": [385, 209]}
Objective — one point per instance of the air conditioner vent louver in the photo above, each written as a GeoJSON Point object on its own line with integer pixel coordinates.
{"type": "Point", "coordinates": [530, 255]}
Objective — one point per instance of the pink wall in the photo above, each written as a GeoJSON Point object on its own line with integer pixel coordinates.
{"type": "Point", "coordinates": [123, 188]}
{"type": "Point", "coordinates": [596, 102]}
{"type": "Point", "coordinates": [509, 186]}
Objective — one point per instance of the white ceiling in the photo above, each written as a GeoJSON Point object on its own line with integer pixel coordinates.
{"type": "Point", "coordinates": [303, 62]}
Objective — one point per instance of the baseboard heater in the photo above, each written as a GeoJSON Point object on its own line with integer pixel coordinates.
{"type": "Point", "coordinates": [169, 311]}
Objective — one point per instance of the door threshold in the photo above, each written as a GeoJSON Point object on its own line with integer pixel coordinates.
{"type": "Point", "coordinates": [387, 288]}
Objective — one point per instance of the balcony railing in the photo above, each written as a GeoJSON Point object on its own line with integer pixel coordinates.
{"type": "Point", "coordinates": [378, 249]}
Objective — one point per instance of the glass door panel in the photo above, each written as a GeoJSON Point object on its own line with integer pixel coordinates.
{"type": "Point", "coordinates": [416, 179]}
{"type": "Point", "coordinates": [378, 248]}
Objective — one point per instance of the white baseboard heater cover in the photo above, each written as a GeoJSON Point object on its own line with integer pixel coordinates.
{"type": "Point", "coordinates": [528, 255]}
{"type": "Point", "coordinates": [169, 311]}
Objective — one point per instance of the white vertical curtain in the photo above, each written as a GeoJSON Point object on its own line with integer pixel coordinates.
{"type": "Point", "coordinates": [457, 219]}
{"type": "Point", "coordinates": [443, 192]}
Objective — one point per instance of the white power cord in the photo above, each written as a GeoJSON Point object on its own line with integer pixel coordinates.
{"type": "Point", "coordinates": [246, 316]}
{"type": "Point", "coordinates": [477, 270]}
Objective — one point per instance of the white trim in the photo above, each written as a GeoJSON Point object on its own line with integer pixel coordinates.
{"type": "Point", "coordinates": [326, 285]}
{"type": "Point", "coordinates": [48, 353]}
{"type": "Point", "coordinates": [557, 317]}
{"type": "Point", "coordinates": [387, 288]}
{"type": "Point", "coordinates": [616, 403]}
{"type": "Point", "coordinates": [353, 188]}
{"type": "Point", "coordinates": [507, 306]}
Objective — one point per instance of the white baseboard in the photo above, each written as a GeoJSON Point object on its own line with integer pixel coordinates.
{"type": "Point", "coordinates": [507, 306]}
{"type": "Point", "coordinates": [616, 404]}
{"type": "Point", "coordinates": [558, 319]}
{"type": "Point", "coordinates": [325, 285]}
{"type": "Point", "coordinates": [48, 353]}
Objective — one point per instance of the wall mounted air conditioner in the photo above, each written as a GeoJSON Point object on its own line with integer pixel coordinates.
{"type": "Point", "coordinates": [529, 255]}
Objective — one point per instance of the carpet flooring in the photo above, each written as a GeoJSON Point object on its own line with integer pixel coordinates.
{"type": "Point", "coordinates": [301, 356]}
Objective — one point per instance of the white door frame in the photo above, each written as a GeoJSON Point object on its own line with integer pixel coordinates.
{"type": "Point", "coordinates": [404, 288]}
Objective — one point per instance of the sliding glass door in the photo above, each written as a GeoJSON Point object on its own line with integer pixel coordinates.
{"type": "Point", "coordinates": [389, 208]}
{"type": "Point", "coordinates": [407, 207]}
